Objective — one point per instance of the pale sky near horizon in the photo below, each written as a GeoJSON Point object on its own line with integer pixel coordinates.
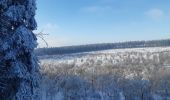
{"type": "Point", "coordinates": [75, 22]}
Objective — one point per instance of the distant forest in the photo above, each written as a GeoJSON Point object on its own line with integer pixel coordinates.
{"type": "Point", "coordinates": [102, 46]}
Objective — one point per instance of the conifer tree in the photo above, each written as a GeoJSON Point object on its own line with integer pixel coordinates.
{"type": "Point", "coordinates": [19, 70]}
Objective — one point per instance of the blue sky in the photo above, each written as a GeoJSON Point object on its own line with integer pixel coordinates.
{"type": "Point", "coordinates": [74, 22]}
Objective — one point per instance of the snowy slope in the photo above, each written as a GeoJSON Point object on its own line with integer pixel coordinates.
{"type": "Point", "coordinates": [115, 56]}
{"type": "Point", "coordinates": [107, 75]}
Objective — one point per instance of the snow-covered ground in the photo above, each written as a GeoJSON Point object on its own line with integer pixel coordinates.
{"type": "Point", "coordinates": [101, 54]}
{"type": "Point", "coordinates": [120, 74]}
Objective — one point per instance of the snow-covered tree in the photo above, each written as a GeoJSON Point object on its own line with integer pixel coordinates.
{"type": "Point", "coordinates": [19, 70]}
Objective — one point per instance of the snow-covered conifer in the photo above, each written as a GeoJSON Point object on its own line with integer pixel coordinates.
{"type": "Point", "coordinates": [19, 70]}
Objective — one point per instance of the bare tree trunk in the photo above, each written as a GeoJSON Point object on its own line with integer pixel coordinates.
{"type": "Point", "coordinates": [19, 70]}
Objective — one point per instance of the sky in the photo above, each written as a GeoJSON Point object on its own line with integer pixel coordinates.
{"type": "Point", "coordinates": [76, 22]}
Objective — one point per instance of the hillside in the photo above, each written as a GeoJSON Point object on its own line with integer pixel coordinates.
{"type": "Point", "coordinates": [102, 46]}
{"type": "Point", "coordinates": [121, 74]}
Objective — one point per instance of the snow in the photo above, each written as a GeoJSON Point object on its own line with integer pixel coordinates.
{"type": "Point", "coordinates": [103, 75]}
{"type": "Point", "coordinates": [17, 43]}
{"type": "Point", "coordinates": [122, 97]}
{"type": "Point", "coordinates": [112, 56]}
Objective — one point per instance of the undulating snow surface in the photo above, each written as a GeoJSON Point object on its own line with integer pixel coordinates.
{"type": "Point", "coordinates": [121, 74]}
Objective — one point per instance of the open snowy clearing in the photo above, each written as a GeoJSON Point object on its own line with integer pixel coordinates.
{"type": "Point", "coordinates": [116, 55]}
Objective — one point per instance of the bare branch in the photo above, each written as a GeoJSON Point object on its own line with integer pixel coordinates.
{"type": "Point", "coordinates": [41, 35]}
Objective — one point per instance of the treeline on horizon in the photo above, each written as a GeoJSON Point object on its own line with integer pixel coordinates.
{"type": "Point", "coordinates": [102, 46]}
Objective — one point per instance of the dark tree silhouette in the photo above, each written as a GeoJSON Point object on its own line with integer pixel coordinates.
{"type": "Point", "coordinates": [102, 46]}
{"type": "Point", "coordinates": [19, 70]}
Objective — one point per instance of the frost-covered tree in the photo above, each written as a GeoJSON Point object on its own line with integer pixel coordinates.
{"type": "Point", "coordinates": [19, 70]}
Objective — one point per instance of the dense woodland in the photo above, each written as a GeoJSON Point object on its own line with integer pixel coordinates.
{"type": "Point", "coordinates": [127, 74]}
{"type": "Point", "coordinates": [103, 46]}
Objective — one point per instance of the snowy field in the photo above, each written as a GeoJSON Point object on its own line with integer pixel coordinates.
{"type": "Point", "coordinates": [120, 74]}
